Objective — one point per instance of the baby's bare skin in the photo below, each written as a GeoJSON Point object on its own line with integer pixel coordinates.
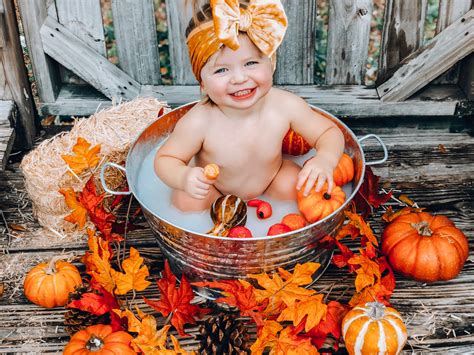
{"type": "Point", "coordinates": [242, 133]}
{"type": "Point", "coordinates": [246, 149]}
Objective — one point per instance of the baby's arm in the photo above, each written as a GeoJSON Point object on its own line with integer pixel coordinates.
{"type": "Point", "coordinates": [328, 140]}
{"type": "Point", "coordinates": [171, 160]}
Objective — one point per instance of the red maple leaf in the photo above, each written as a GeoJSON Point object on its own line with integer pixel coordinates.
{"type": "Point", "coordinates": [176, 301]}
{"type": "Point", "coordinates": [368, 195]}
{"type": "Point", "coordinates": [340, 260]}
{"type": "Point", "coordinates": [238, 294]}
{"type": "Point", "coordinates": [331, 324]}
{"type": "Point", "coordinates": [98, 304]}
{"type": "Point", "coordinates": [97, 214]}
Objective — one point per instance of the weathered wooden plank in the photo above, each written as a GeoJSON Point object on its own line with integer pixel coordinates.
{"type": "Point", "coordinates": [33, 14]}
{"type": "Point", "coordinates": [75, 55]}
{"type": "Point", "coordinates": [137, 43]}
{"type": "Point", "coordinates": [348, 41]}
{"type": "Point", "coordinates": [431, 60]}
{"type": "Point", "coordinates": [295, 57]}
{"type": "Point", "coordinates": [346, 101]}
{"type": "Point", "coordinates": [84, 19]}
{"type": "Point", "coordinates": [466, 77]}
{"type": "Point", "coordinates": [178, 18]}
{"type": "Point", "coordinates": [12, 63]}
{"type": "Point", "coordinates": [7, 133]}
{"type": "Point", "coordinates": [402, 33]}
{"type": "Point", "coordinates": [450, 11]}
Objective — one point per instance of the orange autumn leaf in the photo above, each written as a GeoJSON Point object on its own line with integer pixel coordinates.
{"type": "Point", "coordinates": [406, 200]}
{"type": "Point", "coordinates": [376, 292]}
{"type": "Point", "coordinates": [84, 157]}
{"type": "Point", "coordinates": [367, 273]}
{"type": "Point", "coordinates": [289, 343]}
{"type": "Point", "coordinates": [348, 230]}
{"type": "Point", "coordinates": [79, 213]}
{"type": "Point", "coordinates": [311, 308]}
{"type": "Point", "coordinates": [267, 336]}
{"type": "Point", "coordinates": [282, 289]}
{"type": "Point", "coordinates": [149, 340]}
{"type": "Point", "coordinates": [357, 221]}
{"type": "Point", "coordinates": [99, 263]}
{"type": "Point", "coordinates": [135, 274]}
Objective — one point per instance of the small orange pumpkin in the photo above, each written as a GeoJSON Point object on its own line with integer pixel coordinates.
{"type": "Point", "coordinates": [373, 329]}
{"type": "Point", "coordinates": [294, 144]}
{"type": "Point", "coordinates": [99, 339]}
{"type": "Point", "coordinates": [424, 247]}
{"type": "Point", "coordinates": [294, 220]}
{"type": "Point", "coordinates": [318, 205]}
{"type": "Point", "coordinates": [49, 284]}
{"type": "Point", "coordinates": [344, 171]}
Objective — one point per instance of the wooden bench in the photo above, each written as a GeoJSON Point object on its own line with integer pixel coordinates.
{"type": "Point", "coordinates": [7, 133]}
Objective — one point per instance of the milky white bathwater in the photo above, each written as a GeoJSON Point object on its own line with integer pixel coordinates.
{"type": "Point", "coordinates": [156, 197]}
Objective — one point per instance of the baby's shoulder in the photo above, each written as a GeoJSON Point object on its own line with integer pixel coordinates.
{"type": "Point", "coordinates": [283, 99]}
{"type": "Point", "coordinates": [197, 117]}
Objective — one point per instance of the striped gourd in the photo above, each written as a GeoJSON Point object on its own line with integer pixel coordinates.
{"type": "Point", "coordinates": [373, 329]}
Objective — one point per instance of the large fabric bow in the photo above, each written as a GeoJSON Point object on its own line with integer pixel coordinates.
{"type": "Point", "coordinates": [264, 21]}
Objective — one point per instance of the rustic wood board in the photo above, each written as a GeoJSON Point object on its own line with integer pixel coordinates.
{"type": "Point", "coordinates": [431, 310]}
{"type": "Point", "coordinates": [63, 46]}
{"type": "Point", "coordinates": [7, 133]}
{"type": "Point", "coordinates": [137, 42]}
{"type": "Point", "coordinates": [341, 100]}
{"type": "Point", "coordinates": [417, 70]}
{"type": "Point", "coordinates": [348, 41]}
{"type": "Point", "coordinates": [402, 33]}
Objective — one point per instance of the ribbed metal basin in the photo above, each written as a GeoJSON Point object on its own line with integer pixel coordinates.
{"type": "Point", "coordinates": [205, 257]}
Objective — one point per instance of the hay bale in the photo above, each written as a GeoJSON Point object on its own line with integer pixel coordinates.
{"type": "Point", "coordinates": [46, 172]}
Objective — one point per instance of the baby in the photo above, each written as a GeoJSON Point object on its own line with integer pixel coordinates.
{"type": "Point", "coordinates": [241, 122]}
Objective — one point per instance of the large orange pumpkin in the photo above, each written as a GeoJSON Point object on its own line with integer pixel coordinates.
{"type": "Point", "coordinates": [294, 144]}
{"type": "Point", "coordinates": [49, 284]}
{"type": "Point", "coordinates": [425, 247]}
{"type": "Point", "coordinates": [373, 329]}
{"type": "Point", "coordinates": [318, 205]}
{"type": "Point", "coordinates": [99, 339]}
{"type": "Point", "coordinates": [344, 171]}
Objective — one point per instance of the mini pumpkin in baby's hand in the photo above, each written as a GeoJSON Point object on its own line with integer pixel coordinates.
{"type": "Point", "coordinates": [318, 205]}
{"type": "Point", "coordinates": [211, 171]}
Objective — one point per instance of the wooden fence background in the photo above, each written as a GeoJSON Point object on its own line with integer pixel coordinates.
{"type": "Point", "coordinates": [70, 34]}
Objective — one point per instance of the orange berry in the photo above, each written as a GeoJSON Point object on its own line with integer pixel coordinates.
{"type": "Point", "coordinates": [211, 171]}
{"type": "Point", "coordinates": [294, 221]}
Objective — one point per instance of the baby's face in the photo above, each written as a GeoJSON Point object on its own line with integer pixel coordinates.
{"type": "Point", "coordinates": [237, 79]}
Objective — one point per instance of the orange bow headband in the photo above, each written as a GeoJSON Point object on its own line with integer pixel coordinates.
{"type": "Point", "coordinates": [264, 21]}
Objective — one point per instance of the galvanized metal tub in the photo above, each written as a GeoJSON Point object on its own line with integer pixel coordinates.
{"type": "Point", "coordinates": [203, 257]}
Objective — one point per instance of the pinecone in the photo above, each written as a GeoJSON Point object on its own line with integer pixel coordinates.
{"type": "Point", "coordinates": [75, 319]}
{"type": "Point", "coordinates": [223, 335]}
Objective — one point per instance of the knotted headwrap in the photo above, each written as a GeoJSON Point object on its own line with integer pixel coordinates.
{"type": "Point", "coordinates": [264, 21]}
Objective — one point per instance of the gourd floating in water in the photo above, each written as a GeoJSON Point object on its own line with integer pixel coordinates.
{"type": "Point", "coordinates": [226, 212]}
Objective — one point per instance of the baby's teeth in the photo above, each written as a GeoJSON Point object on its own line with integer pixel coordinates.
{"type": "Point", "coordinates": [242, 93]}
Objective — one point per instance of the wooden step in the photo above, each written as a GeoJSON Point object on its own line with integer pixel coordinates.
{"type": "Point", "coordinates": [7, 133]}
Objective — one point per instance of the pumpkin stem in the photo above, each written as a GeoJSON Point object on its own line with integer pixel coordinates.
{"type": "Point", "coordinates": [327, 196]}
{"type": "Point", "coordinates": [423, 228]}
{"type": "Point", "coordinates": [94, 343]}
{"type": "Point", "coordinates": [51, 269]}
{"type": "Point", "coordinates": [376, 310]}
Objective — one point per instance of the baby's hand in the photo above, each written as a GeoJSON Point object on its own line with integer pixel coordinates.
{"type": "Point", "coordinates": [196, 184]}
{"type": "Point", "coordinates": [316, 170]}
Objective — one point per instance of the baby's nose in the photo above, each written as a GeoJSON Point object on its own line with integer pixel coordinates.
{"type": "Point", "coordinates": [239, 76]}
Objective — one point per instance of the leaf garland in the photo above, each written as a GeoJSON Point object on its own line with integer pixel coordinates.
{"type": "Point", "coordinates": [290, 318]}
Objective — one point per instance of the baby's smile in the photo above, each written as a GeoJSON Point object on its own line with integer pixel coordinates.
{"type": "Point", "coordinates": [243, 94]}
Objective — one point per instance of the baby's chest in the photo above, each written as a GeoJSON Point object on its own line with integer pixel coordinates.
{"type": "Point", "coordinates": [239, 148]}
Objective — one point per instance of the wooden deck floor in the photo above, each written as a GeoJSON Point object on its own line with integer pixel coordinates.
{"type": "Point", "coordinates": [431, 161]}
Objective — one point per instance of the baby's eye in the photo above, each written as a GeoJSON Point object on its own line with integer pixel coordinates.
{"type": "Point", "coordinates": [252, 62]}
{"type": "Point", "coordinates": [220, 70]}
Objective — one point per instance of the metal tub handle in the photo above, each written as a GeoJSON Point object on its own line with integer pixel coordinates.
{"type": "Point", "coordinates": [104, 184]}
{"type": "Point", "coordinates": [384, 147]}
